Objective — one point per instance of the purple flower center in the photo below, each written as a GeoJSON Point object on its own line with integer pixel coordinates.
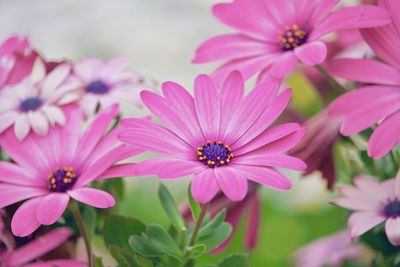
{"type": "Point", "coordinates": [62, 179]}
{"type": "Point", "coordinates": [392, 209]}
{"type": "Point", "coordinates": [30, 104]}
{"type": "Point", "coordinates": [292, 37]}
{"type": "Point", "coordinates": [97, 87]}
{"type": "Point", "coordinates": [214, 154]}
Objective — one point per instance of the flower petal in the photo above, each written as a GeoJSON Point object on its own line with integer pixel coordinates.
{"type": "Point", "coordinates": [179, 168]}
{"type": "Point", "coordinates": [10, 194]}
{"type": "Point", "coordinates": [14, 174]}
{"type": "Point", "coordinates": [283, 65]}
{"type": "Point", "coordinates": [392, 229]}
{"type": "Point", "coordinates": [93, 197]}
{"type": "Point", "coordinates": [38, 122]}
{"type": "Point", "coordinates": [204, 186]}
{"type": "Point", "coordinates": [51, 208]}
{"type": "Point", "coordinates": [231, 182]}
{"type": "Point", "coordinates": [281, 161]}
{"type": "Point", "coordinates": [24, 221]}
{"type": "Point", "coordinates": [361, 222]}
{"type": "Point", "coordinates": [22, 127]}
{"type": "Point", "coordinates": [311, 53]}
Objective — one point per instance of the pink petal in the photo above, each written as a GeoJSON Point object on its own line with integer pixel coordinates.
{"type": "Point", "coordinates": [361, 222]}
{"type": "Point", "coordinates": [183, 104]}
{"type": "Point", "coordinates": [281, 161]}
{"type": "Point", "coordinates": [117, 171]}
{"type": "Point", "coordinates": [385, 137]}
{"type": "Point", "coordinates": [179, 168]}
{"type": "Point", "coordinates": [392, 229]}
{"type": "Point", "coordinates": [230, 46]}
{"type": "Point", "coordinates": [93, 197]}
{"type": "Point", "coordinates": [283, 65]}
{"type": "Point", "coordinates": [39, 246]}
{"type": "Point", "coordinates": [24, 221]}
{"type": "Point", "coordinates": [114, 67]}
{"type": "Point", "coordinates": [321, 10]}
{"type": "Point", "coordinates": [361, 16]}
{"type": "Point", "coordinates": [204, 186]}
{"type": "Point", "coordinates": [148, 167]}
{"type": "Point", "coordinates": [14, 174]}
{"type": "Point", "coordinates": [160, 107]}
{"type": "Point", "coordinates": [365, 71]}
{"type": "Point", "coordinates": [371, 186]}
{"type": "Point", "coordinates": [51, 208]}
{"type": "Point", "coordinates": [88, 69]}
{"type": "Point", "coordinates": [152, 137]}
{"type": "Point", "coordinates": [232, 91]}
{"type": "Point", "coordinates": [312, 53]}
{"type": "Point", "coordinates": [6, 120]}
{"type": "Point", "coordinates": [250, 110]}
{"type": "Point", "coordinates": [270, 114]}
{"type": "Point", "coordinates": [232, 183]}
{"type": "Point", "coordinates": [265, 176]}
{"type": "Point", "coordinates": [207, 103]}
{"type": "Point", "coordinates": [10, 194]}
{"type": "Point", "coordinates": [70, 133]}
{"type": "Point", "coordinates": [95, 132]}
{"type": "Point", "coordinates": [55, 78]}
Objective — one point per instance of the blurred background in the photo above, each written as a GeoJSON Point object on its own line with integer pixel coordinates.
{"type": "Point", "coordinates": [159, 37]}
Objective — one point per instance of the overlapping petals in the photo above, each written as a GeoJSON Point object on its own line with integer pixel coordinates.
{"type": "Point", "coordinates": [275, 34]}
{"type": "Point", "coordinates": [241, 123]}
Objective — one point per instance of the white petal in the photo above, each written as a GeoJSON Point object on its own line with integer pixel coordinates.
{"type": "Point", "coordinates": [21, 127]}
{"type": "Point", "coordinates": [55, 78]}
{"type": "Point", "coordinates": [38, 122]}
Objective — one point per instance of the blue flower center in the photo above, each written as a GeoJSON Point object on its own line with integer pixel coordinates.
{"type": "Point", "coordinates": [292, 37]}
{"type": "Point", "coordinates": [392, 209]}
{"type": "Point", "coordinates": [214, 154]}
{"type": "Point", "coordinates": [97, 87]}
{"type": "Point", "coordinates": [30, 104]}
{"type": "Point", "coordinates": [62, 179]}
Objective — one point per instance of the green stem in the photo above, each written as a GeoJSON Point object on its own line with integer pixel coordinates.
{"type": "Point", "coordinates": [332, 81]}
{"type": "Point", "coordinates": [198, 224]}
{"type": "Point", "coordinates": [79, 222]}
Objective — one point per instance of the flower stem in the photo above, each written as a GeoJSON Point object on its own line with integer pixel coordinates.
{"type": "Point", "coordinates": [332, 81]}
{"type": "Point", "coordinates": [198, 224]}
{"type": "Point", "coordinates": [79, 222]}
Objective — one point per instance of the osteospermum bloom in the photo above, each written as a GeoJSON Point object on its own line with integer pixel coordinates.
{"type": "Point", "coordinates": [35, 103]}
{"type": "Point", "coordinates": [104, 84]}
{"type": "Point", "coordinates": [49, 170]}
{"type": "Point", "coordinates": [372, 203]}
{"type": "Point", "coordinates": [16, 60]}
{"type": "Point", "coordinates": [24, 256]}
{"type": "Point", "coordinates": [330, 251]}
{"type": "Point", "coordinates": [274, 34]}
{"type": "Point", "coordinates": [377, 102]}
{"type": "Point", "coordinates": [220, 137]}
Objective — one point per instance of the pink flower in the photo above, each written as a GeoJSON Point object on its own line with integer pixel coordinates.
{"type": "Point", "coordinates": [378, 102]}
{"type": "Point", "coordinates": [373, 204]}
{"type": "Point", "coordinates": [105, 84]}
{"type": "Point", "coordinates": [35, 103]}
{"type": "Point", "coordinates": [274, 34]}
{"type": "Point", "coordinates": [21, 257]}
{"type": "Point", "coordinates": [5, 238]}
{"type": "Point", "coordinates": [221, 137]}
{"type": "Point", "coordinates": [316, 147]}
{"type": "Point", "coordinates": [328, 251]}
{"type": "Point", "coordinates": [49, 170]}
{"type": "Point", "coordinates": [16, 60]}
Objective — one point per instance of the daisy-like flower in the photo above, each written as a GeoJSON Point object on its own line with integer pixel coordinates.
{"type": "Point", "coordinates": [105, 84]}
{"type": "Point", "coordinates": [274, 34]}
{"type": "Point", "coordinates": [330, 251]}
{"type": "Point", "coordinates": [220, 137]}
{"type": "Point", "coordinates": [49, 170]}
{"type": "Point", "coordinates": [372, 203]}
{"type": "Point", "coordinates": [35, 103]}
{"type": "Point", "coordinates": [377, 102]}
{"type": "Point", "coordinates": [23, 256]}
{"type": "Point", "coordinates": [16, 60]}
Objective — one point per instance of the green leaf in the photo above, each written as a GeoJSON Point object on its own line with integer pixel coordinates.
{"type": "Point", "coordinates": [218, 236]}
{"type": "Point", "coordinates": [194, 206]}
{"type": "Point", "coordinates": [118, 229]}
{"type": "Point", "coordinates": [98, 262]}
{"type": "Point", "coordinates": [123, 257]}
{"type": "Point", "coordinates": [235, 260]}
{"type": "Point", "coordinates": [142, 246]}
{"type": "Point", "coordinates": [90, 219]}
{"type": "Point", "coordinates": [160, 238]}
{"type": "Point", "coordinates": [196, 251]}
{"type": "Point", "coordinates": [170, 208]}
{"type": "Point", "coordinates": [212, 225]}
